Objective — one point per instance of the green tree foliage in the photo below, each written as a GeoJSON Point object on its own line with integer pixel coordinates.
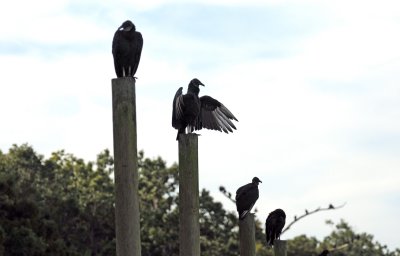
{"type": "Point", "coordinates": [158, 189]}
{"type": "Point", "coordinates": [159, 217]}
{"type": "Point", "coordinates": [65, 206]}
{"type": "Point", "coordinates": [58, 206]}
{"type": "Point", "coordinates": [342, 241]}
{"type": "Point", "coordinates": [354, 244]}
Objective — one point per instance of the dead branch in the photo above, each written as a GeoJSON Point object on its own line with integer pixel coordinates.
{"type": "Point", "coordinates": [307, 213]}
{"type": "Point", "coordinates": [227, 194]}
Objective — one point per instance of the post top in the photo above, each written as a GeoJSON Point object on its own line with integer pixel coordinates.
{"type": "Point", "coordinates": [190, 134]}
{"type": "Point", "coordinates": [126, 78]}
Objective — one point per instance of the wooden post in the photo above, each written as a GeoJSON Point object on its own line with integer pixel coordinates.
{"type": "Point", "coordinates": [247, 236]}
{"type": "Point", "coordinates": [127, 218]}
{"type": "Point", "coordinates": [189, 227]}
{"type": "Point", "coordinates": [280, 247]}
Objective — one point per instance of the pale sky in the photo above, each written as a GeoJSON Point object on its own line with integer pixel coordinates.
{"type": "Point", "coordinates": [315, 86]}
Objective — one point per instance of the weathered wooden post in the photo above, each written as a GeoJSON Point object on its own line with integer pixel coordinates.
{"type": "Point", "coordinates": [247, 236]}
{"type": "Point", "coordinates": [189, 227]}
{"type": "Point", "coordinates": [280, 247]}
{"type": "Point", "coordinates": [127, 218]}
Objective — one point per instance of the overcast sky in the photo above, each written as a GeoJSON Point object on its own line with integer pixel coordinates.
{"type": "Point", "coordinates": [315, 86]}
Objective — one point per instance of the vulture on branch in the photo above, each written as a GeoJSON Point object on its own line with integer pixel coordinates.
{"type": "Point", "coordinates": [126, 49]}
{"type": "Point", "coordinates": [274, 225]}
{"type": "Point", "coordinates": [246, 197]}
{"type": "Point", "coordinates": [193, 113]}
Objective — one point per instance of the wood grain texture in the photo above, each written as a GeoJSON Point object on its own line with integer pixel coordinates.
{"type": "Point", "coordinates": [189, 227]}
{"type": "Point", "coordinates": [247, 236]}
{"type": "Point", "coordinates": [280, 247]}
{"type": "Point", "coordinates": [127, 216]}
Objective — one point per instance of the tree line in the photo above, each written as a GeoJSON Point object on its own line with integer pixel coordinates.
{"type": "Point", "coordinates": [63, 205]}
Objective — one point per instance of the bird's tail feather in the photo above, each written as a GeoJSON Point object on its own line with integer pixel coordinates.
{"type": "Point", "coordinates": [243, 215]}
{"type": "Point", "coordinates": [180, 131]}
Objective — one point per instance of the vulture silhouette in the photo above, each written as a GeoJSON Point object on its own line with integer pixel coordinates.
{"type": "Point", "coordinates": [274, 225]}
{"type": "Point", "coordinates": [126, 49]}
{"type": "Point", "coordinates": [193, 113]}
{"type": "Point", "coordinates": [246, 197]}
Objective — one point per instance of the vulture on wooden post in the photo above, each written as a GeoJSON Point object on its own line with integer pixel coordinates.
{"type": "Point", "coordinates": [246, 197]}
{"type": "Point", "coordinates": [274, 225]}
{"type": "Point", "coordinates": [126, 49]}
{"type": "Point", "coordinates": [193, 113]}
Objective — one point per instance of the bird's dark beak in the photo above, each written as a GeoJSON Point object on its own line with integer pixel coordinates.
{"type": "Point", "coordinates": [260, 181]}
{"type": "Point", "coordinates": [202, 84]}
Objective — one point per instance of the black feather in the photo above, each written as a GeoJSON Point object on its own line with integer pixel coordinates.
{"type": "Point", "coordinates": [126, 49]}
{"type": "Point", "coordinates": [197, 113]}
{"type": "Point", "coordinates": [274, 225]}
{"type": "Point", "coordinates": [246, 197]}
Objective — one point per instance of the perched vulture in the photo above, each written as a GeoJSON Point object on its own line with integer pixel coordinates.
{"type": "Point", "coordinates": [274, 225]}
{"type": "Point", "coordinates": [246, 197]}
{"type": "Point", "coordinates": [193, 113]}
{"type": "Point", "coordinates": [126, 49]}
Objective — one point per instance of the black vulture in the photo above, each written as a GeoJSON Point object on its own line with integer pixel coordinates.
{"type": "Point", "coordinates": [246, 197]}
{"type": "Point", "coordinates": [194, 113]}
{"type": "Point", "coordinates": [324, 253]}
{"type": "Point", "coordinates": [126, 49]}
{"type": "Point", "coordinates": [274, 225]}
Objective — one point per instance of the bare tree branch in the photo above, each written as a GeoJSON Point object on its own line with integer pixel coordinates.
{"type": "Point", "coordinates": [227, 194]}
{"type": "Point", "coordinates": [307, 213]}
{"type": "Point", "coordinates": [343, 246]}
{"type": "Point", "coordinates": [326, 252]}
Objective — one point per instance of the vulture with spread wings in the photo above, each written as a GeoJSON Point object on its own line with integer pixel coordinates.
{"type": "Point", "coordinates": [246, 197]}
{"type": "Point", "coordinates": [193, 113]}
{"type": "Point", "coordinates": [274, 225]}
{"type": "Point", "coordinates": [126, 49]}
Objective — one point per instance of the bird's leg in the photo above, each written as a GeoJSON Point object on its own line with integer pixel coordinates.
{"type": "Point", "coordinates": [123, 72]}
{"type": "Point", "coordinates": [190, 129]}
{"type": "Point", "coordinates": [129, 71]}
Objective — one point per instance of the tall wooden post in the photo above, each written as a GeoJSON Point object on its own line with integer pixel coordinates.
{"type": "Point", "coordinates": [280, 247]}
{"type": "Point", "coordinates": [127, 218]}
{"type": "Point", "coordinates": [247, 236]}
{"type": "Point", "coordinates": [189, 227]}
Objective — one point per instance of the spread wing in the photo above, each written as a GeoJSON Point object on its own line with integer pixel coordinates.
{"type": "Point", "coordinates": [214, 116]}
{"type": "Point", "coordinates": [137, 51]}
{"type": "Point", "coordinates": [177, 109]}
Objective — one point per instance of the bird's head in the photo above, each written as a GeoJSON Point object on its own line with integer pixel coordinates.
{"type": "Point", "coordinates": [256, 180]}
{"type": "Point", "coordinates": [196, 82]}
{"type": "Point", "coordinates": [127, 26]}
{"type": "Point", "coordinates": [280, 212]}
